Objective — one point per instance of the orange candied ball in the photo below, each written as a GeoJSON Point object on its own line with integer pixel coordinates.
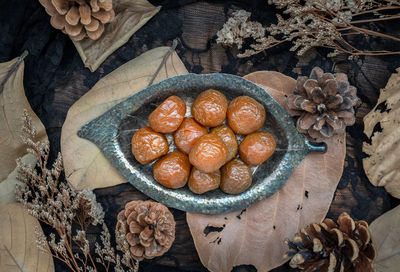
{"type": "Point", "coordinates": [148, 145]}
{"type": "Point", "coordinates": [172, 170]}
{"type": "Point", "coordinates": [245, 115]}
{"type": "Point", "coordinates": [209, 108]}
{"type": "Point", "coordinates": [228, 137]}
{"type": "Point", "coordinates": [236, 177]}
{"type": "Point", "coordinates": [187, 134]}
{"type": "Point", "coordinates": [167, 117]}
{"type": "Point", "coordinates": [257, 147]}
{"type": "Point", "coordinates": [208, 154]}
{"type": "Point", "coordinates": [200, 182]}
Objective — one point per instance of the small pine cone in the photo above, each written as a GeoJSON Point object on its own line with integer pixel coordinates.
{"type": "Point", "coordinates": [80, 18]}
{"type": "Point", "coordinates": [149, 227]}
{"type": "Point", "coordinates": [330, 247]}
{"type": "Point", "coordinates": [324, 102]}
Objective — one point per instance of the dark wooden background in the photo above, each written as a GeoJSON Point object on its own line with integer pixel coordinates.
{"type": "Point", "coordinates": [55, 78]}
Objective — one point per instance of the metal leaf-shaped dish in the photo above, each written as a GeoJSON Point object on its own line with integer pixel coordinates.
{"type": "Point", "coordinates": [112, 133]}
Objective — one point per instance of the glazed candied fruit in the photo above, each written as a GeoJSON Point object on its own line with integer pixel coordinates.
{"type": "Point", "coordinates": [172, 170]}
{"type": "Point", "coordinates": [148, 145]}
{"type": "Point", "coordinates": [236, 177]}
{"type": "Point", "coordinates": [245, 115]}
{"type": "Point", "coordinates": [257, 147]}
{"type": "Point", "coordinates": [209, 108]}
{"type": "Point", "coordinates": [187, 134]}
{"type": "Point", "coordinates": [167, 117]}
{"type": "Point", "coordinates": [228, 137]}
{"type": "Point", "coordinates": [200, 182]}
{"type": "Point", "coordinates": [209, 153]}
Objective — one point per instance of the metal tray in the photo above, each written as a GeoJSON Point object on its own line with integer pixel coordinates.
{"type": "Point", "coordinates": [112, 133]}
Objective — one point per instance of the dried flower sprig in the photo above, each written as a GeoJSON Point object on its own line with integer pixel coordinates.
{"type": "Point", "coordinates": [68, 211]}
{"type": "Point", "coordinates": [312, 23]}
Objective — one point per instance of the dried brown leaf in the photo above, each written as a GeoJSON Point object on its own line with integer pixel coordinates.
{"type": "Point", "coordinates": [18, 247]}
{"type": "Point", "coordinates": [256, 235]}
{"type": "Point", "coordinates": [85, 165]}
{"type": "Point", "coordinates": [130, 16]}
{"type": "Point", "coordinates": [12, 104]}
{"type": "Point", "coordinates": [382, 165]}
{"type": "Point", "coordinates": [385, 232]}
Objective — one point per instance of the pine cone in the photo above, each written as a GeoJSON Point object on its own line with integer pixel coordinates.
{"type": "Point", "coordinates": [327, 247]}
{"type": "Point", "coordinates": [80, 18]}
{"type": "Point", "coordinates": [324, 102]}
{"type": "Point", "coordinates": [149, 228]}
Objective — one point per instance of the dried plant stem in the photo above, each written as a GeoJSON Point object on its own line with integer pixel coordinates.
{"type": "Point", "coordinates": [370, 32]}
{"type": "Point", "coordinates": [359, 30]}
{"type": "Point", "coordinates": [375, 20]}
{"type": "Point", "coordinates": [12, 70]}
{"type": "Point", "coordinates": [376, 10]}
{"type": "Point", "coordinates": [164, 61]}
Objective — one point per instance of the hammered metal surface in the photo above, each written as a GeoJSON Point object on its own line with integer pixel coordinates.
{"type": "Point", "coordinates": [112, 133]}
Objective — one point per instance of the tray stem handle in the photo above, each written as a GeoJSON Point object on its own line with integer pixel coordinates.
{"type": "Point", "coordinates": [318, 147]}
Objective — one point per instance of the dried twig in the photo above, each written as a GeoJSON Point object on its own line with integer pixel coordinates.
{"type": "Point", "coordinates": [12, 70]}
{"type": "Point", "coordinates": [164, 61]}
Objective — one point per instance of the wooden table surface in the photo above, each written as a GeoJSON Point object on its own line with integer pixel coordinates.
{"type": "Point", "coordinates": [55, 78]}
